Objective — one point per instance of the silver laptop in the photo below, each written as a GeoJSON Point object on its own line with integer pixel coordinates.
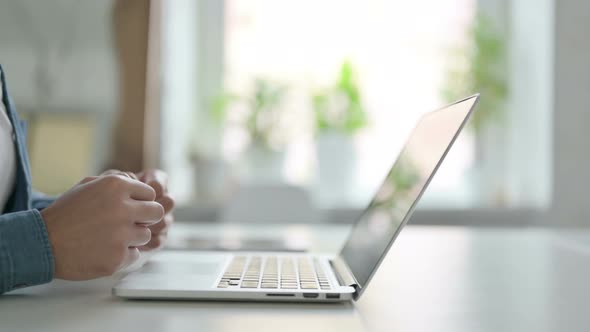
{"type": "Point", "coordinates": [281, 276]}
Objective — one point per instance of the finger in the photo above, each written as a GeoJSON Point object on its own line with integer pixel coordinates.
{"type": "Point", "coordinates": [141, 191]}
{"type": "Point", "coordinates": [158, 227]}
{"type": "Point", "coordinates": [156, 242]}
{"type": "Point", "coordinates": [147, 213]}
{"type": "Point", "coordinates": [118, 172]}
{"type": "Point", "coordinates": [156, 179]}
{"type": "Point", "coordinates": [139, 236]}
{"type": "Point", "coordinates": [111, 172]}
{"type": "Point", "coordinates": [131, 175]}
{"type": "Point", "coordinates": [132, 256]}
{"type": "Point", "coordinates": [162, 226]}
{"type": "Point", "coordinates": [167, 202]}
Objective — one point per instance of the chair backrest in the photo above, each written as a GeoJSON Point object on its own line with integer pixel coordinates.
{"type": "Point", "coordinates": [270, 204]}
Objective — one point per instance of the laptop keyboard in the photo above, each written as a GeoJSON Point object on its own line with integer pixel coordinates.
{"type": "Point", "coordinates": [274, 272]}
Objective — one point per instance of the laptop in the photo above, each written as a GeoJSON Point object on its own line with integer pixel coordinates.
{"type": "Point", "coordinates": [305, 277]}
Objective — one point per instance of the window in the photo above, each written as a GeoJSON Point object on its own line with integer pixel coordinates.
{"type": "Point", "coordinates": [399, 53]}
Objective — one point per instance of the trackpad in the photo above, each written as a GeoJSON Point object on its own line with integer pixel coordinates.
{"type": "Point", "coordinates": [174, 269]}
{"type": "Point", "coordinates": [178, 265]}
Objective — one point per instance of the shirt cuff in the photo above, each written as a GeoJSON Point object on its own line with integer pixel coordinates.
{"type": "Point", "coordinates": [40, 201]}
{"type": "Point", "coordinates": [25, 253]}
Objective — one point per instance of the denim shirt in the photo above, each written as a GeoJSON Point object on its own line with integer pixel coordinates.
{"type": "Point", "coordinates": [25, 252]}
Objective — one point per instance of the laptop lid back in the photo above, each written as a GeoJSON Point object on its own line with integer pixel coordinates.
{"type": "Point", "coordinates": [393, 204]}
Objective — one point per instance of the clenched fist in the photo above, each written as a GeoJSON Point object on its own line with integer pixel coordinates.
{"type": "Point", "coordinates": [158, 180]}
{"type": "Point", "coordinates": [97, 226]}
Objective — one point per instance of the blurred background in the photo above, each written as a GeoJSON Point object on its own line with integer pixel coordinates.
{"type": "Point", "coordinates": [293, 111]}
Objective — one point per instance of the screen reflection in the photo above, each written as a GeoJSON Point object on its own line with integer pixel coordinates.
{"type": "Point", "coordinates": [392, 204]}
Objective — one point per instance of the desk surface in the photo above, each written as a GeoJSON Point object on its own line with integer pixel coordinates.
{"type": "Point", "coordinates": [435, 279]}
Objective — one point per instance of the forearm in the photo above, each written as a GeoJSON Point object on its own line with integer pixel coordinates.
{"type": "Point", "coordinates": [25, 253]}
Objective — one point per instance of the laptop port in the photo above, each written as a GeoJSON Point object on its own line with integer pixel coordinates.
{"type": "Point", "coordinates": [280, 294]}
{"type": "Point", "coordinates": [311, 295]}
{"type": "Point", "coordinates": [332, 296]}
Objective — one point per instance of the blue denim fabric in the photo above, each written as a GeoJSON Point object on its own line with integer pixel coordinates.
{"type": "Point", "coordinates": [25, 253]}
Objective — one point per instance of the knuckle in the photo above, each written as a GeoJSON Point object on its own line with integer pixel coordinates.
{"type": "Point", "coordinates": [110, 171]}
{"type": "Point", "coordinates": [156, 242]}
{"type": "Point", "coordinates": [113, 181]}
{"type": "Point", "coordinates": [132, 175]}
{"type": "Point", "coordinates": [88, 179]}
{"type": "Point", "coordinates": [168, 203]}
{"type": "Point", "coordinates": [157, 228]}
{"type": "Point", "coordinates": [157, 186]}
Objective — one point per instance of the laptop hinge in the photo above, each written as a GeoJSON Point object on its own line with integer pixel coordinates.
{"type": "Point", "coordinates": [343, 273]}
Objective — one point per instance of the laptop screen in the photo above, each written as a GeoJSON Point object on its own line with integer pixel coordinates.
{"type": "Point", "coordinates": [394, 201]}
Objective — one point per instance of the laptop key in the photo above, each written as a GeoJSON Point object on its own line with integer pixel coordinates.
{"type": "Point", "coordinates": [274, 273]}
{"type": "Point", "coordinates": [309, 286]}
{"type": "Point", "coordinates": [247, 284]}
{"type": "Point", "coordinates": [269, 286]}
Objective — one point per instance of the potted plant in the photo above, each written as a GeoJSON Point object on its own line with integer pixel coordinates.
{"type": "Point", "coordinates": [339, 115]}
{"type": "Point", "coordinates": [259, 116]}
{"type": "Point", "coordinates": [481, 66]}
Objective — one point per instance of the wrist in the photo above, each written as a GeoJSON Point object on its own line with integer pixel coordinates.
{"type": "Point", "coordinates": [47, 218]}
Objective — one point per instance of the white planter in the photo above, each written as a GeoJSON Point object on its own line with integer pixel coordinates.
{"type": "Point", "coordinates": [261, 165]}
{"type": "Point", "coordinates": [211, 178]}
{"type": "Point", "coordinates": [337, 166]}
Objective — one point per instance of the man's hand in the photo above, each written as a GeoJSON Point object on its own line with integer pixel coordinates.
{"type": "Point", "coordinates": [96, 227]}
{"type": "Point", "coordinates": [158, 180]}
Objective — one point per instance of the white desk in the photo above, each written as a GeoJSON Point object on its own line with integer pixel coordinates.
{"type": "Point", "coordinates": [435, 279]}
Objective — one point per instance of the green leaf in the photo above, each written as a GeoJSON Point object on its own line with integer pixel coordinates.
{"type": "Point", "coordinates": [480, 67]}
{"type": "Point", "coordinates": [347, 116]}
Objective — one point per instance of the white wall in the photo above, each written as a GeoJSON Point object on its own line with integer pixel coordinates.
{"type": "Point", "coordinates": [530, 48]}
{"type": "Point", "coordinates": [179, 91]}
{"type": "Point", "coordinates": [72, 38]}
{"type": "Point", "coordinates": [58, 57]}
{"type": "Point", "coordinates": [571, 117]}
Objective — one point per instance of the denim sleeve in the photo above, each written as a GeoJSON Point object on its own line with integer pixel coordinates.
{"type": "Point", "coordinates": [40, 201]}
{"type": "Point", "coordinates": [25, 253]}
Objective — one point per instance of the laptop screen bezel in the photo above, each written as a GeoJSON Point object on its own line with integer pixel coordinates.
{"type": "Point", "coordinates": [360, 288]}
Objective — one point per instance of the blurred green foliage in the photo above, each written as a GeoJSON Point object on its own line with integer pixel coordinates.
{"type": "Point", "coordinates": [404, 179]}
{"type": "Point", "coordinates": [263, 111]}
{"type": "Point", "coordinates": [480, 67]}
{"type": "Point", "coordinates": [340, 108]}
